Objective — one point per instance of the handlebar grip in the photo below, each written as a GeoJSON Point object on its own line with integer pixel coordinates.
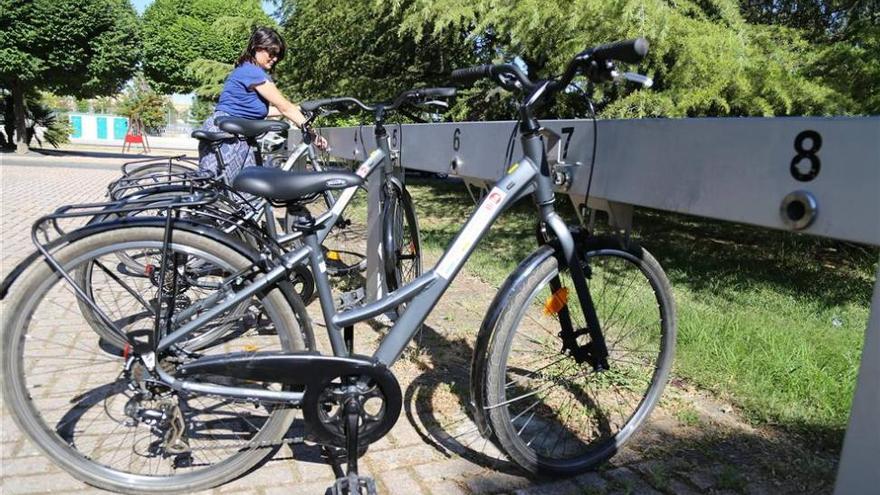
{"type": "Point", "coordinates": [429, 93]}
{"type": "Point", "coordinates": [471, 74]}
{"type": "Point", "coordinates": [313, 105]}
{"type": "Point", "coordinates": [630, 51]}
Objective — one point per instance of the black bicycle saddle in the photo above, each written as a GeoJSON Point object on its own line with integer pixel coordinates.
{"type": "Point", "coordinates": [279, 185]}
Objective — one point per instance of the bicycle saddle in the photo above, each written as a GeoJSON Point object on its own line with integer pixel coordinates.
{"type": "Point", "coordinates": [250, 128]}
{"type": "Point", "coordinates": [279, 185]}
{"type": "Point", "coordinates": [211, 137]}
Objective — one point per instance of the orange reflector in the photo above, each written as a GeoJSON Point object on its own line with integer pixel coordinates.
{"type": "Point", "coordinates": [250, 348]}
{"type": "Point", "coordinates": [149, 269]}
{"type": "Point", "coordinates": [333, 255]}
{"type": "Point", "coordinates": [556, 301]}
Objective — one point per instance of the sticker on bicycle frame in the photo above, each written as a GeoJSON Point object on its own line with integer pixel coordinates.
{"type": "Point", "coordinates": [363, 170]}
{"type": "Point", "coordinates": [513, 167]}
{"type": "Point", "coordinates": [322, 267]}
{"type": "Point", "coordinates": [471, 232]}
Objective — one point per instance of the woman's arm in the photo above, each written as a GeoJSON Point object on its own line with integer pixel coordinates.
{"type": "Point", "coordinates": [270, 92]}
{"type": "Point", "coordinates": [273, 112]}
{"type": "Point", "coordinates": [277, 101]}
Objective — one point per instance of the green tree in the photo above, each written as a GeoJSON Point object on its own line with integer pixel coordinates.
{"type": "Point", "coordinates": [847, 36]}
{"type": "Point", "coordinates": [141, 103]}
{"type": "Point", "coordinates": [41, 112]}
{"type": "Point", "coordinates": [103, 104]}
{"type": "Point", "coordinates": [336, 48]}
{"type": "Point", "coordinates": [199, 111]}
{"type": "Point", "coordinates": [84, 48]}
{"type": "Point", "coordinates": [705, 58]}
{"type": "Point", "coordinates": [178, 33]}
{"type": "Point", "coordinates": [83, 106]}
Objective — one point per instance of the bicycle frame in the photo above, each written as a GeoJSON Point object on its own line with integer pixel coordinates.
{"type": "Point", "coordinates": [529, 175]}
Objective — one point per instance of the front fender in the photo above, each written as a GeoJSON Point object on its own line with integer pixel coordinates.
{"type": "Point", "coordinates": [490, 322]}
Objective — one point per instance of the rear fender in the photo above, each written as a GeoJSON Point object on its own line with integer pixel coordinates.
{"type": "Point", "coordinates": [129, 222]}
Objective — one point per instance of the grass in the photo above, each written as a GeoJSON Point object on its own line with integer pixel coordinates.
{"type": "Point", "coordinates": [687, 416]}
{"type": "Point", "coordinates": [771, 321]}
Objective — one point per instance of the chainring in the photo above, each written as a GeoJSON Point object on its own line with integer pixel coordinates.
{"type": "Point", "coordinates": [377, 392]}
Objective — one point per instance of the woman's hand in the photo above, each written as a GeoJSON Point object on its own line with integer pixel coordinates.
{"type": "Point", "coordinates": [321, 143]}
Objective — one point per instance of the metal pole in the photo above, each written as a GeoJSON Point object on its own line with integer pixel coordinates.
{"type": "Point", "coordinates": [859, 470]}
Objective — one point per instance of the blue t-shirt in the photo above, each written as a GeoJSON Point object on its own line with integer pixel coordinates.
{"type": "Point", "coordinates": [239, 98]}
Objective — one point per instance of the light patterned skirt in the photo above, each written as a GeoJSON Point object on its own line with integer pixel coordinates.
{"type": "Point", "coordinates": [236, 153]}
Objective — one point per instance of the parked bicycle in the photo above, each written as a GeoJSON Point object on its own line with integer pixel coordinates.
{"type": "Point", "coordinates": [571, 357]}
{"type": "Point", "coordinates": [238, 215]}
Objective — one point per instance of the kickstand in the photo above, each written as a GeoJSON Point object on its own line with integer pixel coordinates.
{"type": "Point", "coordinates": [352, 483]}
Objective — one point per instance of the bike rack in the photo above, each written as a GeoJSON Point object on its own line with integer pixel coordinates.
{"type": "Point", "coordinates": [808, 175]}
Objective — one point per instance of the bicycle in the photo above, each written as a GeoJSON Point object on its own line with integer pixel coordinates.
{"type": "Point", "coordinates": [159, 180]}
{"type": "Point", "coordinates": [575, 348]}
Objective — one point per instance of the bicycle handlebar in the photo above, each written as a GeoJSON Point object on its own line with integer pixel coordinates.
{"type": "Point", "coordinates": [409, 97]}
{"type": "Point", "coordinates": [587, 62]}
{"type": "Point", "coordinates": [629, 51]}
{"type": "Point", "coordinates": [330, 103]}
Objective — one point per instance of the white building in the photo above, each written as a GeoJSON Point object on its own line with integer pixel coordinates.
{"type": "Point", "coordinates": [90, 128]}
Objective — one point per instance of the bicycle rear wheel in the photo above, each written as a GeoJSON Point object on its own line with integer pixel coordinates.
{"type": "Point", "coordinates": [100, 421]}
{"type": "Point", "coordinates": [133, 265]}
{"type": "Point", "coordinates": [401, 240]}
{"type": "Point", "coordinates": [549, 410]}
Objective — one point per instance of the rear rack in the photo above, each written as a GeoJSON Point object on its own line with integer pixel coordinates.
{"type": "Point", "coordinates": [48, 232]}
{"type": "Point", "coordinates": [151, 172]}
{"type": "Point", "coordinates": [179, 160]}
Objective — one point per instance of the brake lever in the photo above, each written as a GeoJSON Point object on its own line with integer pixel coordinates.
{"type": "Point", "coordinates": [437, 103]}
{"type": "Point", "coordinates": [642, 80]}
{"type": "Point", "coordinates": [509, 82]}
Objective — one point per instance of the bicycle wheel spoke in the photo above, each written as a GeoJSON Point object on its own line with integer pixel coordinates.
{"type": "Point", "coordinates": [115, 413]}
{"type": "Point", "coordinates": [582, 413]}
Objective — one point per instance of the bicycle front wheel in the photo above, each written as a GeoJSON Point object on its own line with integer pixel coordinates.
{"type": "Point", "coordinates": [402, 243]}
{"type": "Point", "coordinates": [107, 420]}
{"type": "Point", "coordinates": [548, 409]}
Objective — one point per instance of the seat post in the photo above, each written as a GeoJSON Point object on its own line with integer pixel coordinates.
{"type": "Point", "coordinates": [258, 157]}
{"type": "Point", "coordinates": [221, 165]}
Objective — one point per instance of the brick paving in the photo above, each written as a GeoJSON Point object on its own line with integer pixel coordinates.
{"type": "Point", "coordinates": [419, 456]}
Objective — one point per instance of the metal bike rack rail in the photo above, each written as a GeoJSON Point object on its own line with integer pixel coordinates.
{"type": "Point", "coordinates": [815, 176]}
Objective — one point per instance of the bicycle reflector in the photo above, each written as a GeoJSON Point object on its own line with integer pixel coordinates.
{"type": "Point", "coordinates": [556, 301]}
{"type": "Point", "coordinates": [333, 255]}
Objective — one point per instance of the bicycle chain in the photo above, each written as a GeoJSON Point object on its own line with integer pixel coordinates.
{"type": "Point", "coordinates": [254, 445]}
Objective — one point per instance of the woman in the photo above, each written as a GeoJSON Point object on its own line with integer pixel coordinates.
{"type": "Point", "coordinates": [250, 93]}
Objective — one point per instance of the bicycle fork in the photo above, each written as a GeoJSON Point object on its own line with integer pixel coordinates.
{"type": "Point", "coordinates": [595, 352]}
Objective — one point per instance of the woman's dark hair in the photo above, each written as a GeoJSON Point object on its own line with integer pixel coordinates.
{"type": "Point", "coordinates": [263, 38]}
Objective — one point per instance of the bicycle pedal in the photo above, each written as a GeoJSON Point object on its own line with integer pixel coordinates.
{"type": "Point", "coordinates": [384, 320]}
{"type": "Point", "coordinates": [350, 299]}
{"type": "Point", "coordinates": [363, 485]}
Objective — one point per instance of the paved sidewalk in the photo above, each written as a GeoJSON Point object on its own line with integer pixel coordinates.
{"type": "Point", "coordinates": [707, 450]}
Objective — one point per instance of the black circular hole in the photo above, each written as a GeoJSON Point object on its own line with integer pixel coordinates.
{"type": "Point", "coordinates": [796, 210]}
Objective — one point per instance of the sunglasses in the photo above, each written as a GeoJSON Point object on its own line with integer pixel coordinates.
{"type": "Point", "coordinates": [272, 51]}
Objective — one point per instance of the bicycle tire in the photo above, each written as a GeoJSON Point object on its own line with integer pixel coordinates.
{"type": "Point", "coordinates": [401, 240]}
{"type": "Point", "coordinates": [513, 384]}
{"type": "Point", "coordinates": [37, 392]}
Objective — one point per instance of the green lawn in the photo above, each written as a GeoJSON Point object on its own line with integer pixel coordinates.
{"type": "Point", "coordinates": [771, 321]}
